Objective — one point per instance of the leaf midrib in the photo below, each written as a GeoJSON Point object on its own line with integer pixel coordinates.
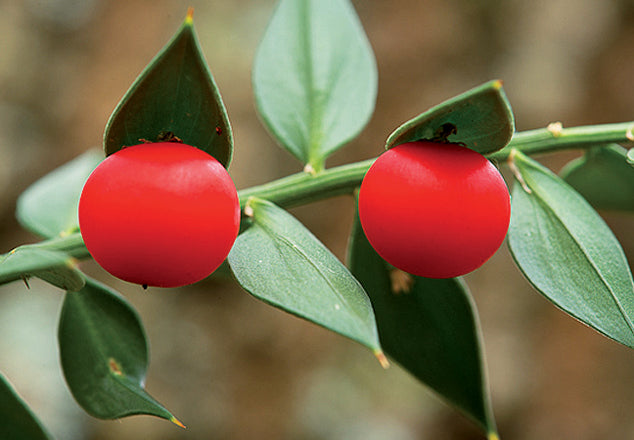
{"type": "Point", "coordinates": [308, 77]}
{"type": "Point", "coordinates": [277, 238]}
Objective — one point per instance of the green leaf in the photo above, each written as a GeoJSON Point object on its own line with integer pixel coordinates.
{"type": "Point", "coordinates": [55, 267]}
{"type": "Point", "coordinates": [49, 206]}
{"type": "Point", "coordinates": [18, 422]}
{"type": "Point", "coordinates": [104, 354]}
{"type": "Point", "coordinates": [280, 262]}
{"type": "Point", "coordinates": [480, 118]}
{"type": "Point", "coordinates": [568, 253]}
{"type": "Point", "coordinates": [176, 94]}
{"type": "Point", "coordinates": [430, 327]}
{"type": "Point", "coordinates": [315, 77]}
{"type": "Point", "coordinates": [604, 177]}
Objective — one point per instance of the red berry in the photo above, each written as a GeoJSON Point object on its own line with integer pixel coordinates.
{"type": "Point", "coordinates": [162, 214]}
{"type": "Point", "coordinates": [434, 210]}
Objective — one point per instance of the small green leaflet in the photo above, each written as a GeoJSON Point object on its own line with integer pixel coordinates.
{"type": "Point", "coordinates": [280, 262]}
{"type": "Point", "coordinates": [603, 177]}
{"type": "Point", "coordinates": [104, 354]}
{"type": "Point", "coordinates": [480, 118]}
{"type": "Point", "coordinates": [315, 77]}
{"type": "Point", "coordinates": [49, 206]}
{"type": "Point", "coordinates": [430, 328]}
{"type": "Point", "coordinates": [174, 96]}
{"type": "Point", "coordinates": [18, 422]}
{"type": "Point", "coordinates": [568, 253]}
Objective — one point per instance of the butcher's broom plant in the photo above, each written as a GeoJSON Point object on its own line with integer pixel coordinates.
{"type": "Point", "coordinates": [158, 208]}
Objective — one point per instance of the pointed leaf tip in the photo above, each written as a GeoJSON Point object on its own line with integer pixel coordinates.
{"type": "Point", "coordinates": [177, 422]}
{"type": "Point", "coordinates": [189, 18]}
{"type": "Point", "coordinates": [382, 359]}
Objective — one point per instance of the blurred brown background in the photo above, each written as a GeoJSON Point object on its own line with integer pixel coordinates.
{"type": "Point", "coordinates": [231, 367]}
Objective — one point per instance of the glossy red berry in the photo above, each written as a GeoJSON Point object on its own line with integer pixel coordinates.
{"type": "Point", "coordinates": [434, 210]}
{"type": "Point", "coordinates": [162, 214]}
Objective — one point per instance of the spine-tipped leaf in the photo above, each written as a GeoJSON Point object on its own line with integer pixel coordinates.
{"type": "Point", "coordinates": [430, 327]}
{"type": "Point", "coordinates": [480, 118]}
{"type": "Point", "coordinates": [174, 98]}
{"type": "Point", "coordinates": [280, 262]}
{"type": "Point", "coordinates": [104, 354]}
{"type": "Point", "coordinates": [568, 253]}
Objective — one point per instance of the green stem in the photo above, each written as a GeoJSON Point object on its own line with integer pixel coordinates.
{"type": "Point", "coordinates": [71, 244]}
{"type": "Point", "coordinates": [303, 188]}
{"type": "Point", "coordinates": [296, 189]}
{"type": "Point", "coordinates": [555, 138]}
